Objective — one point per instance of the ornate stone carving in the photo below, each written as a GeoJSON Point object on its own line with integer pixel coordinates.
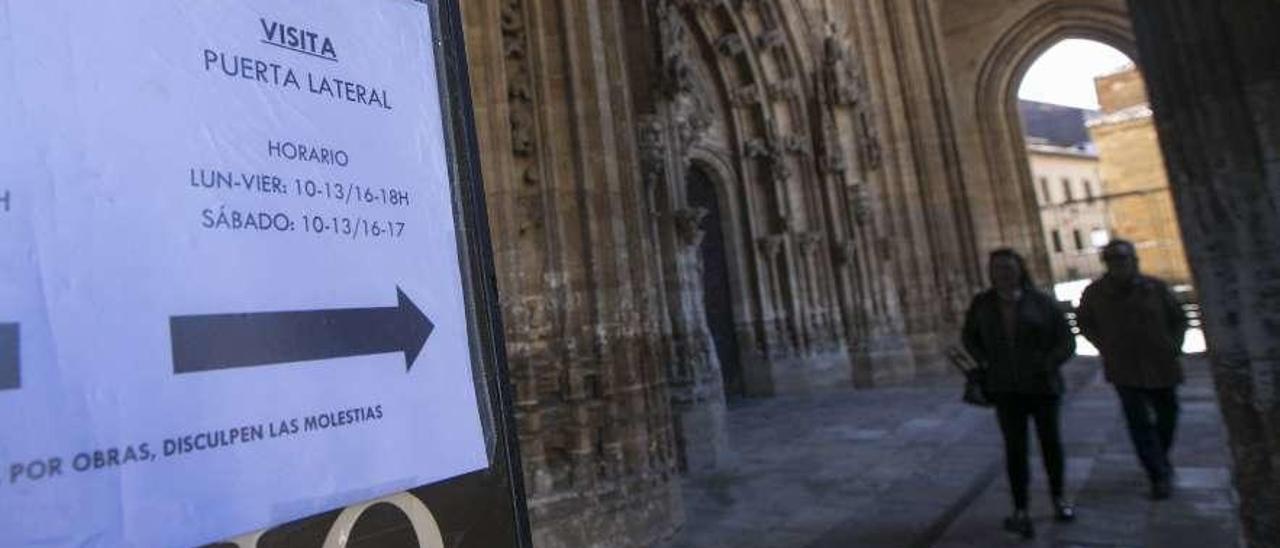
{"type": "Point", "coordinates": [770, 39]}
{"type": "Point", "coordinates": [757, 148]}
{"type": "Point", "coordinates": [698, 4]}
{"type": "Point", "coordinates": [688, 225]}
{"type": "Point", "coordinates": [522, 132]}
{"type": "Point", "coordinates": [779, 170]}
{"type": "Point", "coordinates": [808, 242]}
{"type": "Point", "coordinates": [770, 246]}
{"type": "Point", "coordinates": [859, 201]}
{"type": "Point", "coordinates": [521, 117]}
{"type": "Point", "coordinates": [783, 90]}
{"type": "Point", "coordinates": [731, 45]}
{"type": "Point", "coordinates": [834, 163]}
{"type": "Point", "coordinates": [512, 23]}
{"type": "Point", "coordinates": [871, 153]}
{"type": "Point", "coordinates": [691, 125]}
{"type": "Point", "coordinates": [843, 84]}
{"type": "Point", "coordinates": [770, 152]}
{"type": "Point", "coordinates": [745, 95]}
{"type": "Point", "coordinates": [677, 66]}
{"type": "Point", "coordinates": [832, 160]}
{"type": "Point", "coordinates": [844, 251]}
{"type": "Point", "coordinates": [796, 144]}
{"type": "Point", "coordinates": [690, 117]}
{"type": "Point", "coordinates": [652, 142]}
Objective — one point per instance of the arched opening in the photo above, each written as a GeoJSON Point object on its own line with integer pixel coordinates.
{"type": "Point", "coordinates": [717, 294]}
{"type": "Point", "coordinates": [1097, 171]}
{"type": "Point", "coordinates": [1056, 103]}
{"type": "Point", "coordinates": [1003, 148]}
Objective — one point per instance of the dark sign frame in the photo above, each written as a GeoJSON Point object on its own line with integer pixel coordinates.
{"type": "Point", "coordinates": [486, 508]}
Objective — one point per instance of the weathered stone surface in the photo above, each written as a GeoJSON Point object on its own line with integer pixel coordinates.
{"type": "Point", "coordinates": [581, 294]}
{"type": "Point", "coordinates": [987, 46]}
{"type": "Point", "coordinates": [1137, 185]}
{"type": "Point", "coordinates": [1214, 79]}
{"type": "Point", "coordinates": [863, 156]}
{"type": "Point", "coordinates": [592, 116]}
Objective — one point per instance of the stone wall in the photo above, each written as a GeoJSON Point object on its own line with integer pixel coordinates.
{"type": "Point", "coordinates": [818, 123]}
{"type": "Point", "coordinates": [1121, 90]}
{"type": "Point", "coordinates": [865, 154]}
{"type": "Point", "coordinates": [1141, 205]}
{"type": "Point", "coordinates": [1214, 77]}
{"type": "Point", "coordinates": [988, 45]}
{"type": "Point", "coordinates": [586, 333]}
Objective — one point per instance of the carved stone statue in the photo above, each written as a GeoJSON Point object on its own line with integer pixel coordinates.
{"type": "Point", "coordinates": [677, 67]}
{"type": "Point", "coordinates": [841, 79]}
{"type": "Point", "coordinates": [652, 142]}
{"type": "Point", "coordinates": [688, 224]}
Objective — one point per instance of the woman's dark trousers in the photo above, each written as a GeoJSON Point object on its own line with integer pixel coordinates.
{"type": "Point", "coordinates": [1013, 410]}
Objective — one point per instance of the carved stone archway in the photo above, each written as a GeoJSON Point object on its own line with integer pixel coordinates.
{"type": "Point", "coordinates": [1000, 126]}
{"type": "Point", "coordinates": [780, 115]}
{"type": "Point", "coordinates": [713, 225]}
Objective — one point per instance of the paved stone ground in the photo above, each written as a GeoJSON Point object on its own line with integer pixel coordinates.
{"type": "Point", "coordinates": [912, 466]}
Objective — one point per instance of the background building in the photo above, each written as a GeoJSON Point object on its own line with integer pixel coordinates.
{"type": "Point", "coordinates": [1141, 205]}
{"type": "Point", "coordinates": [1069, 189]}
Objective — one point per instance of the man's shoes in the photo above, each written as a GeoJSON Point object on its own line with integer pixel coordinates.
{"type": "Point", "coordinates": [1063, 511]}
{"type": "Point", "coordinates": [1161, 489]}
{"type": "Point", "coordinates": [1020, 523]}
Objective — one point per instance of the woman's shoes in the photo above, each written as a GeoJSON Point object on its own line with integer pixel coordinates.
{"type": "Point", "coordinates": [1161, 489]}
{"type": "Point", "coordinates": [1020, 523]}
{"type": "Point", "coordinates": [1063, 511]}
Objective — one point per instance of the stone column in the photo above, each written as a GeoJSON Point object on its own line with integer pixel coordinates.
{"type": "Point", "coordinates": [933, 240]}
{"type": "Point", "coordinates": [579, 285]}
{"type": "Point", "coordinates": [666, 87]}
{"type": "Point", "coordinates": [1213, 73]}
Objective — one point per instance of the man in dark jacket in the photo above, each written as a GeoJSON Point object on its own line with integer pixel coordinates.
{"type": "Point", "coordinates": [1137, 325]}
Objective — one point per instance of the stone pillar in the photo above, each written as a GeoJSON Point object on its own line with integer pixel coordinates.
{"type": "Point", "coordinates": [1214, 79]}
{"type": "Point", "coordinates": [932, 241]}
{"type": "Point", "coordinates": [661, 67]}
{"type": "Point", "coordinates": [575, 268]}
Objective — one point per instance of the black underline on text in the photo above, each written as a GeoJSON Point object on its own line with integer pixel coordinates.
{"type": "Point", "coordinates": [303, 51]}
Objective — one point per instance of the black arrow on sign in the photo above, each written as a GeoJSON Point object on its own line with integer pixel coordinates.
{"type": "Point", "coordinates": [227, 341]}
{"type": "Point", "coordinates": [10, 369]}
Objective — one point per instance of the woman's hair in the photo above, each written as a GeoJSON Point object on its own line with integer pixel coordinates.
{"type": "Point", "coordinates": [1025, 281]}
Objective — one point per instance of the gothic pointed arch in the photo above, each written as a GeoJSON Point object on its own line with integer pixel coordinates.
{"type": "Point", "coordinates": [735, 83]}
{"type": "Point", "coordinates": [1000, 128]}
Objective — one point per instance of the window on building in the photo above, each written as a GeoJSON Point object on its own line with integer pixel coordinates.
{"type": "Point", "coordinates": [1066, 189]}
{"type": "Point", "coordinates": [1099, 237]}
{"type": "Point", "coordinates": [1088, 188]}
{"type": "Point", "coordinates": [1044, 191]}
{"type": "Point", "coordinates": [1079, 239]}
{"type": "Point", "coordinates": [1057, 241]}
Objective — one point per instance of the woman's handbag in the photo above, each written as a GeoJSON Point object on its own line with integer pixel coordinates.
{"type": "Point", "coordinates": [974, 377]}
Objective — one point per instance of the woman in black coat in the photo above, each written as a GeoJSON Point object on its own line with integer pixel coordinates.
{"type": "Point", "coordinates": [1022, 339]}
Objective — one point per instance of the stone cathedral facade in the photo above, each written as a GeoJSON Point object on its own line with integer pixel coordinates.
{"type": "Point", "coordinates": [697, 200]}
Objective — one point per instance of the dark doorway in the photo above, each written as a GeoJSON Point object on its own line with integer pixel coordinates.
{"type": "Point", "coordinates": [716, 294]}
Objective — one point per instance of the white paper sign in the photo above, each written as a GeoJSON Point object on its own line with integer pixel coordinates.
{"type": "Point", "coordinates": [226, 231]}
